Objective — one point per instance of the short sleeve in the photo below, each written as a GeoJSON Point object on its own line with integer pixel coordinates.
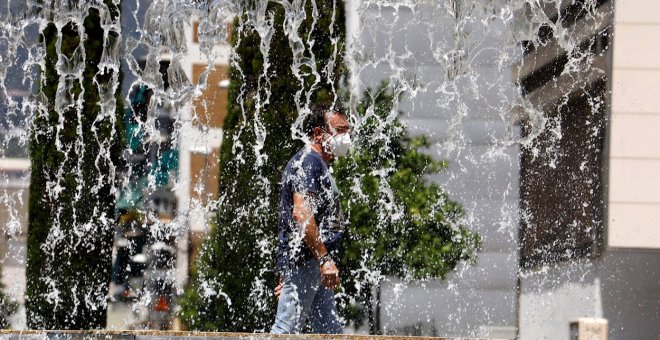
{"type": "Point", "coordinates": [306, 176]}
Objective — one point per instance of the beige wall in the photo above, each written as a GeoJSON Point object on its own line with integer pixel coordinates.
{"type": "Point", "coordinates": [634, 172]}
{"type": "Point", "coordinates": [211, 106]}
{"type": "Point", "coordinates": [14, 211]}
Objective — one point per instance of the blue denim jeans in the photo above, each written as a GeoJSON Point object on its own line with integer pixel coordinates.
{"type": "Point", "coordinates": [304, 298]}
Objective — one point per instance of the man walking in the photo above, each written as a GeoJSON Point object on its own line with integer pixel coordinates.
{"type": "Point", "coordinates": [311, 226]}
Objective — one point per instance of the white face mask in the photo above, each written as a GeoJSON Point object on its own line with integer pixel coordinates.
{"type": "Point", "coordinates": [340, 144]}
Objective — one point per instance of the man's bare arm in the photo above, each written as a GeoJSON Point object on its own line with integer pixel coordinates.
{"type": "Point", "coordinates": [303, 215]}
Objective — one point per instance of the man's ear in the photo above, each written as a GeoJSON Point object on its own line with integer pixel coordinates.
{"type": "Point", "coordinates": [317, 132]}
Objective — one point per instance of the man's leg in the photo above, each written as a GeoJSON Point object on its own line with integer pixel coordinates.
{"type": "Point", "coordinates": [296, 298]}
{"type": "Point", "coordinates": [323, 317]}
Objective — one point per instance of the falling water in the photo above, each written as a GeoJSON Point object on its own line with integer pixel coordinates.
{"type": "Point", "coordinates": [463, 73]}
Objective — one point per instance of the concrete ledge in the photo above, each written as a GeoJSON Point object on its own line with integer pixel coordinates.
{"type": "Point", "coordinates": [178, 335]}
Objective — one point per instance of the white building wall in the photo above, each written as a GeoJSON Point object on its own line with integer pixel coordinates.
{"type": "Point", "coordinates": [483, 174]}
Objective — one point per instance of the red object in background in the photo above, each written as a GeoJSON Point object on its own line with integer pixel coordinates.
{"type": "Point", "coordinates": [162, 305]}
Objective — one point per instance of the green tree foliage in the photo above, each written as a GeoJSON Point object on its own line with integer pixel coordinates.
{"type": "Point", "coordinates": [74, 150]}
{"type": "Point", "coordinates": [399, 224]}
{"type": "Point", "coordinates": [232, 285]}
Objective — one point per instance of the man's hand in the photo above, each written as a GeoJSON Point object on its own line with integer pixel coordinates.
{"type": "Point", "coordinates": [278, 288]}
{"type": "Point", "coordinates": [329, 275]}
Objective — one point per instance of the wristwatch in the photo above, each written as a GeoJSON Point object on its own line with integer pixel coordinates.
{"type": "Point", "coordinates": [325, 259]}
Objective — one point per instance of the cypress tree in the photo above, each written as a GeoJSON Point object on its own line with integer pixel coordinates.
{"type": "Point", "coordinates": [74, 150]}
{"type": "Point", "coordinates": [232, 286]}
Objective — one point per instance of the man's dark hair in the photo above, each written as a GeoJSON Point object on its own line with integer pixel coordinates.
{"type": "Point", "coordinates": [317, 118]}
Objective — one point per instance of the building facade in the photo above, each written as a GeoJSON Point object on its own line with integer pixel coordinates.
{"type": "Point", "coordinates": [589, 239]}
